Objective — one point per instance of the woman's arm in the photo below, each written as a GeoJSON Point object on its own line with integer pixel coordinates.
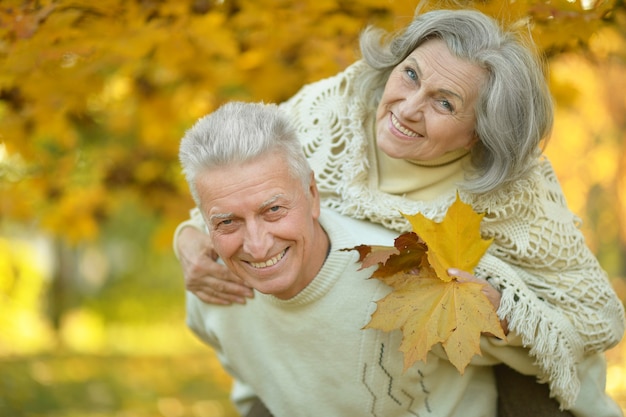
{"type": "Point", "coordinates": [209, 280]}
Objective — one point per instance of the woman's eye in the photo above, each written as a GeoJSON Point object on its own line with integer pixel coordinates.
{"type": "Point", "coordinates": [447, 105]}
{"type": "Point", "coordinates": [411, 73]}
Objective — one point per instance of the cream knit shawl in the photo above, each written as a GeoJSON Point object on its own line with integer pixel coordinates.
{"type": "Point", "coordinates": [555, 295]}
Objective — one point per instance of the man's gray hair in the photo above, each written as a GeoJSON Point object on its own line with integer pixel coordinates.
{"type": "Point", "coordinates": [240, 132]}
{"type": "Point", "coordinates": [514, 110]}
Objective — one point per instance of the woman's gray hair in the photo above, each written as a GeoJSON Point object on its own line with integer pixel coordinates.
{"type": "Point", "coordinates": [240, 132]}
{"type": "Point", "coordinates": [514, 111]}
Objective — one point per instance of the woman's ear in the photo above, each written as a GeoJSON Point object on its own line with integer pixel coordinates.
{"type": "Point", "coordinates": [474, 141]}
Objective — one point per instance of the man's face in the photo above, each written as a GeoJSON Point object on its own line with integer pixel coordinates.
{"type": "Point", "coordinates": [264, 224]}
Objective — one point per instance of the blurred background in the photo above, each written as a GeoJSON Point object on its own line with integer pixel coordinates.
{"type": "Point", "coordinates": [94, 97]}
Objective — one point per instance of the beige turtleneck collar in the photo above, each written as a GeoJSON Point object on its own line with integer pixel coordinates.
{"type": "Point", "coordinates": [419, 180]}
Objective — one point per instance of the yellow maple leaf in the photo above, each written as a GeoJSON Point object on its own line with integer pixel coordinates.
{"type": "Point", "coordinates": [426, 304]}
{"type": "Point", "coordinates": [453, 243]}
{"type": "Point", "coordinates": [429, 310]}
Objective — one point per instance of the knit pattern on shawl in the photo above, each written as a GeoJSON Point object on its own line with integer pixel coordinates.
{"type": "Point", "coordinates": [555, 295]}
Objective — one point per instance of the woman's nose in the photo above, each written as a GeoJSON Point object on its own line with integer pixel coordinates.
{"type": "Point", "coordinates": [412, 107]}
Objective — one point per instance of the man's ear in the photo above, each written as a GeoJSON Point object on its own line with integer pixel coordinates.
{"type": "Point", "coordinates": [314, 195]}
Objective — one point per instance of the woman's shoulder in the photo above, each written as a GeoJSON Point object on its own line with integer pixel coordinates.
{"type": "Point", "coordinates": [528, 190]}
{"type": "Point", "coordinates": [536, 192]}
{"type": "Point", "coordinates": [348, 75]}
{"type": "Point", "coordinates": [329, 113]}
{"type": "Point", "coordinates": [340, 85]}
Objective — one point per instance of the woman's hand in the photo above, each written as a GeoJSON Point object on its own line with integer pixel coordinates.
{"type": "Point", "coordinates": [213, 283]}
{"type": "Point", "coordinates": [491, 293]}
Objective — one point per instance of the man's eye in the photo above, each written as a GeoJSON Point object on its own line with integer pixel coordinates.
{"type": "Point", "coordinates": [224, 223]}
{"type": "Point", "coordinates": [274, 213]}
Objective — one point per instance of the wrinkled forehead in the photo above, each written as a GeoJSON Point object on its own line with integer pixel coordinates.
{"type": "Point", "coordinates": [250, 184]}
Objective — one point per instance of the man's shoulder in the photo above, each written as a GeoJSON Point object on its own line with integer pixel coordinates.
{"type": "Point", "coordinates": [356, 231]}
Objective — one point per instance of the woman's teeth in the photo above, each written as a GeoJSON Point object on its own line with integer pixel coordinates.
{"type": "Point", "coordinates": [401, 128]}
{"type": "Point", "coordinates": [269, 262]}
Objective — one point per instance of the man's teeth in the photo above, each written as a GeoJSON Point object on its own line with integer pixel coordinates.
{"type": "Point", "coordinates": [401, 128]}
{"type": "Point", "coordinates": [269, 262]}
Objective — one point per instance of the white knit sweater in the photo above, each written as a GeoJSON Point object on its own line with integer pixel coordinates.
{"type": "Point", "coordinates": [309, 356]}
{"type": "Point", "coordinates": [555, 295]}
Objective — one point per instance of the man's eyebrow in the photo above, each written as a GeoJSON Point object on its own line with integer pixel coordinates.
{"type": "Point", "coordinates": [271, 201]}
{"type": "Point", "coordinates": [214, 218]}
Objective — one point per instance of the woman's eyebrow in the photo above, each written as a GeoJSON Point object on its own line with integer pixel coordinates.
{"type": "Point", "coordinates": [417, 66]}
{"type": "Point", "coordinates": [451, 93]}
{"type": "Point", "coordinates": [441, 90]}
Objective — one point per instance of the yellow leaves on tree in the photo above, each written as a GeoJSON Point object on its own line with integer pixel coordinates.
{"type": "Point", "coordinates": [426, 304]}
{"type": "Point", "coordinates": [83, 82]}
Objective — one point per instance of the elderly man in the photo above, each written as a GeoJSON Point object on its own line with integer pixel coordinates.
{"type": "Point", "coordinates": [299, 345]}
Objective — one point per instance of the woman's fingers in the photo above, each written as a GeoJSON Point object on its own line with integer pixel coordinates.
{"type": "Point", "coordinates": [210, 281]}
{"type": "Point", "coordinates": [212, 290]}
{"type": "Point", "coordinates": [490, 292]}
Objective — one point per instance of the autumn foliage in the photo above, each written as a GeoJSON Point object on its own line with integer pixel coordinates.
{"type": "Point", "coordinates": [95, 95]}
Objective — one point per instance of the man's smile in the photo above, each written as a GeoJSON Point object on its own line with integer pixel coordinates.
{"type": "Point", "coordinates": [269, 262]}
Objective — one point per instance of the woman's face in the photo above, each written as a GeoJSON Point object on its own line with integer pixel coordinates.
{"type": "Point", "coordinates": [427, 108]}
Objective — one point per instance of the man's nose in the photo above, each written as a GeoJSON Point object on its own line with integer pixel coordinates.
{"type": "Point", "coordinates": [257, 241]}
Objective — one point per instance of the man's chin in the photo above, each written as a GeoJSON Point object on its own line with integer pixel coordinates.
{"type": "Point", "coordinates": [274, 288]}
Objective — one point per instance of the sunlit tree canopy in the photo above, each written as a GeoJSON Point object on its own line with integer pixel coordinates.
{"type": "Point", "coordinates": [94, 96]}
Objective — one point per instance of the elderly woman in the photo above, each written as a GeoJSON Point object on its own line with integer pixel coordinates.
{"type": "Point", "coordinates": [451, 103]}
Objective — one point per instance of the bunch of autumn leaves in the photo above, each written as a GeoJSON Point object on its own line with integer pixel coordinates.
{"type": "Point", "coordinates": [427, 304]}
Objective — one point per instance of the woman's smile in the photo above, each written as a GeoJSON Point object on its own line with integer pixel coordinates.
{"type": "Point", "coordinates": [395, 124]}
